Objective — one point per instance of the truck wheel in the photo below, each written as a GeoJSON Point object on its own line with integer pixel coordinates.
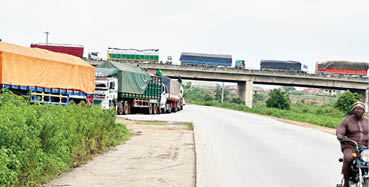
{"type": "Point", "coordinates": [125, 108]}
{"type": "Point", "coordinates": [120, 108]}
{"type": "Point", "coordinates": [149, 109]}
{"type": "Point", "coordinates": [170, 109]}
{"type": "Point", "coordinates": [155, 109]}
{"type": "Point", "coordinates": [175, 109]}
{"type": "Point", "coordinates": [72, 102]}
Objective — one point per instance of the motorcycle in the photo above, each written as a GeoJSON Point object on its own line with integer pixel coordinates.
{"type": "Point", "coordinates": [359, 175]}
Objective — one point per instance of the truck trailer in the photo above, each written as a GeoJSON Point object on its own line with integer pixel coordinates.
{"type": "Point", "coordinates": [75, 50]}
{"type": "Point", "coordinates": [136, 90]}
{"type": "Point", "coordinates": [289, 65]}
{"type": "Point", "coordinates": [46, 76]}
{"type": "Point", "coordinates": [172, 99]}
{"type": "Point", "coordinates": [342, 68]}
{"type": "Point", "coordinates": [207, 60]}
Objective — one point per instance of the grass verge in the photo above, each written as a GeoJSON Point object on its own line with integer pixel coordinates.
{"type": "Point", "coordinates": [39, 142]}
{"type": "Point", "coordinates": [323, 115]}
{"type": "Point", "coordinates": [189, 125]}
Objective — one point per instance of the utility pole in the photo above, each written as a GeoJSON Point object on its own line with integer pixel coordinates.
{"type": "Point", "coordinates": [47, 37]}
{"type": "Point", "coordinates": [222, 92]}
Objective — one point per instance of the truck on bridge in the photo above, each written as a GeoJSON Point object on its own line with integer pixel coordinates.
{"type": "Point", "coordinates": [133, 55]}
{"type": "Point", "coordinates": [289, 65]}
{"type": "Point", "coordinates": [342, 68]}
{"type": "Point", "coordinates": [206, 60]}
{"type": "Point", "coordinates": [45, 76]}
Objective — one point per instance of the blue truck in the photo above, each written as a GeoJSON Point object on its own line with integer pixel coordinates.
{"type": "Point", "coordinates": [281, 65]}
{"type": "Point", "coordinates": [206, 60]}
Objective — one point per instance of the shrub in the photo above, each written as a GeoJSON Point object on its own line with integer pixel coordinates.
{"type": "Point", "coordinates": [278, 99]}
{"type": "Point", "coordinates": [345, 101]}
{"type": "Point", "coordinates": [38, 142]}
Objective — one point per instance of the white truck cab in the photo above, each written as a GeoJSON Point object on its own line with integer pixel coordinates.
{"type": "Point", "coordinates": [106, 92]}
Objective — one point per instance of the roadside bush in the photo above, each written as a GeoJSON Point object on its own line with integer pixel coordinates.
{"type": "Point", "coordinates": [345, 101]}
{"type": "Point", "coordinates": [278, 99]}
{"type": "Point", "coordinates": [38, 142]}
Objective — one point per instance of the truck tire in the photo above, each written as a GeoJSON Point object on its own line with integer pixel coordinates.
{"type": "Point", "coordinates": [155, 109]}
{"type": "Point", "coordinates": [169, 108]}
{"type": "Point", "coordinates": [175, 109]}
{"type": "Point", "coordinates": [150, 109]}
{"type": "Point", "coordinates": [120, 108]}
{"type": "Point", "coordinates": [125, 111]}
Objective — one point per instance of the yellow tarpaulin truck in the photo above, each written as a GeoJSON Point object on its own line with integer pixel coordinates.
{"type": "Point", "coordinates": [48, 77]}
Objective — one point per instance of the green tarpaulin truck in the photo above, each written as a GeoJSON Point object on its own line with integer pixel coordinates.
{"type": "Point", "coordinates": [127, 88]}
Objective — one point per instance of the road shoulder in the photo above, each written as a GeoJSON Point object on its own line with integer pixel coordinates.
{"type": "Point", "coordinates": [156, 155]}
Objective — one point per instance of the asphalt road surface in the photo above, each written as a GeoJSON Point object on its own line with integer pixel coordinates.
{"type": "Point", "coordinates": [240, 149]}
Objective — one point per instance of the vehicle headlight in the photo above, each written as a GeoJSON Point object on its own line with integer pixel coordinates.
{"type": "Point", "coordinates": [365, 155]}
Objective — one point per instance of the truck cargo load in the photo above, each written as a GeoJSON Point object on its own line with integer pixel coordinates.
{"type": "Point", "coordinates": [75, 50]}
{"type": "Point", "coordinates": [106, 72]}
{"type": "Point", "coordinates": [201, 59]}
{"type": "Point", "coordinates": [342, 67]}
{"type": "Point", "coordinates": [33, 67]}
{"type": "Point", "coordinates": [131, 79]}
{"type": "Point", "coordinates": [280, 65]}
{"type": "Point", "coordinates": [173, 87]}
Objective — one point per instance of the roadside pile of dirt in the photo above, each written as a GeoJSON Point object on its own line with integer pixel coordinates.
{"type": "Point", "coordinates": [156, 155]}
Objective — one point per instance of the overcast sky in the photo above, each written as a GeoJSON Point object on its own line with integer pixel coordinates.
{"type": "Point", "coordinates": [301, 30]}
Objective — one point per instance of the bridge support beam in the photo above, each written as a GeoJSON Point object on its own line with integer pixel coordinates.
{"type": "Point", "coordinates": [245, 92]}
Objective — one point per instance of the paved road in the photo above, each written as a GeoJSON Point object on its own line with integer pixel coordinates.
{"type": "Point", "coordinates": [240, 149]}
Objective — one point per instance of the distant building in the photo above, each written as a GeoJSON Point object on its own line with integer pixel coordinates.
{"type": "Point", "coordinates": [330, 92]}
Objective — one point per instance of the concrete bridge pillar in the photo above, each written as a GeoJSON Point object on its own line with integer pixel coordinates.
{"type": "Point", "coordinates": [245, 92]}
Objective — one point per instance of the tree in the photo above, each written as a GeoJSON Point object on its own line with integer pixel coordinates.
{"type": "Point", "coordinates": [278, 99]}
{"type": "Point", "coordinates": [345, 101]}
{"type": "Point", "coordinates": [218, 93]}
{"type": "Point", "coordinates": [208, 97]}
{"type": "Point", "coordinates": [258, 97]}
{"type": "Point", "coordinates": [187, 85]}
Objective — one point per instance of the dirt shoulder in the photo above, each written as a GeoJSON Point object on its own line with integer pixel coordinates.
{"type": "Point", "coordinates": [156, 155]}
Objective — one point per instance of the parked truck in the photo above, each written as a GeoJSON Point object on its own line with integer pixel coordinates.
{"type": "Point", "coordinates": [293, 66]}
{"type": "Point", "coordinates": [172, 99]}
{"type": "Point", "coordinates": [70, 49]}
{"type": "Point", "coordinates": [46, 76]}
{"type": "Point", "coordinates": [206, 60]}
{"type": "Point", "coordinates": [136, 90]}
{"type": "Point", "coordinates": [240, 64]}
{"type": "Point", "coordinates": [342, 68]}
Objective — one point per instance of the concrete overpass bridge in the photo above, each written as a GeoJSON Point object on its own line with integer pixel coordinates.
{"type": "Point", "coordinates": [245, 79]}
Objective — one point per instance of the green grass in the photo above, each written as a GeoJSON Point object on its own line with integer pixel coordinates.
{"type": "Point", "coordinates": [189, 125]}
{"type": "Point", "coordinates": [323, 115]}
{"type": "Point", "coordinates": [39, 142]}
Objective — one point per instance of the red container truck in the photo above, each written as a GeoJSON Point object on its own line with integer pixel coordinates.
{"type": "Point", "coordinates": [342, 68]}
{"type": "Point", "coordinates": [75, 50]}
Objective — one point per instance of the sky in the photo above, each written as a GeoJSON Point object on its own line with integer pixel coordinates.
{"type": "Point", "coordinates": [303, 30]}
